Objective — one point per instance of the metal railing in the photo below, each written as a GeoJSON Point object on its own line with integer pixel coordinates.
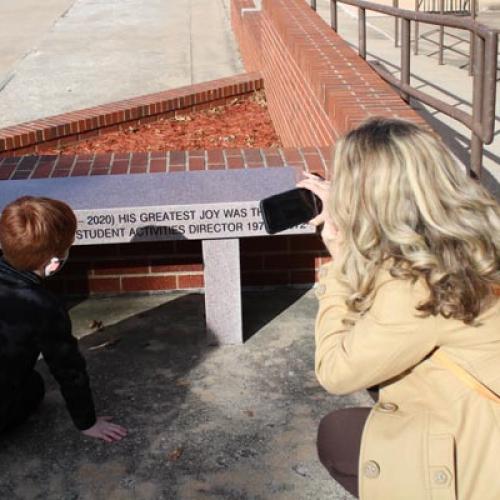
{"type": "Point", "coordinates": [448, 7]}
{"type": "Point", "coordinates": [481, 122]}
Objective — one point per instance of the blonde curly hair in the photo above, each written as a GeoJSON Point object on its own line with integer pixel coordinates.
{"type": "Point", "coordinates": [399, 198]}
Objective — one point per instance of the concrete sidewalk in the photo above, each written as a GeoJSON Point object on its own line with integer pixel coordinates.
{"type": "Point", "coordinates": [449, 82]}
{"type": "Point", "coordinates": [228, 423]}
{"type": "Point", "coordinates": [62, 55]}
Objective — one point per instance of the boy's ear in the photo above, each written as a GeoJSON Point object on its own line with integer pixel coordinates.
{"type": "Point", "coordinates": [52, 267]}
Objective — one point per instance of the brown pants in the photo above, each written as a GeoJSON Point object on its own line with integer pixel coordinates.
{"type": "Point", "coordinates": [339, 442]}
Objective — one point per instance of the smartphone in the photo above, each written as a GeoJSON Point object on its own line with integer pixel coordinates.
{"type": "Point", "coordinates": [285, 210]}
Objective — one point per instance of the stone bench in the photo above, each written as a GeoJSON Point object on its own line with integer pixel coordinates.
{"type": "Point", "coordinates": [218, 207]}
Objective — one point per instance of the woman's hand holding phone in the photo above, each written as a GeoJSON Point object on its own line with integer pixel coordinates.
{"type": "Point", "coordinates": [321, 189]}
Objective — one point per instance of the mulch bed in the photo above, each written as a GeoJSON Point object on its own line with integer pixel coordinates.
{"type": "Point", "coordinates": [243, 123]}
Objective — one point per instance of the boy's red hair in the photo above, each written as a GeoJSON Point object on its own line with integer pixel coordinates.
{"type": "Point", "coordinates": [33, 230]}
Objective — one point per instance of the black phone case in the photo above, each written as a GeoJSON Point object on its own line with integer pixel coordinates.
{"type": "Point", "coordinates": [284, 227]}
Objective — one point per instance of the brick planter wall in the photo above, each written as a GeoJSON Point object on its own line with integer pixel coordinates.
{"type": "Point", "coordinates": [317, 86]}
{"type": "Point", "coordinates": [55, 131]}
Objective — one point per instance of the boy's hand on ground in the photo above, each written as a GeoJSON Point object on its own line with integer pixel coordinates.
{"type": "Point", "coordinates": [107, 431]}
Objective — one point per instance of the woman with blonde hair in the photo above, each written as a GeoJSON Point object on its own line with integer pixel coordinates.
{"type": "Point", "coordinates": [409, 303]}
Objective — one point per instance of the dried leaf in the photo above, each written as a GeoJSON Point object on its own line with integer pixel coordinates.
{"type": "Point", "coordinates": [174, 455]}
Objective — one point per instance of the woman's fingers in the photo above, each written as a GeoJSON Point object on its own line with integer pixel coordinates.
{"type": "Point", "coordinates": [313, 175]}
{"type": "Point", "coordinates": [321, 189]}
{"type": "Point", "coordinates": [317, 187]}
{"type": "Point", "coordinates": [318, 220]}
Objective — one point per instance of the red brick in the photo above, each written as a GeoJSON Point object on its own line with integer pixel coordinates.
{"type": "Point", "coordinates": [158, 165]}
{"type": "Point", "coordinates": [122, 156]}
{"type": "Point", "coordinates": [234, 162]}
{"type": "Point", "coordinates": [18, 175]}
{"type": "Point", "coordinates": [123, 267]}
{"type": "Point", "coordinates": [147, 283]}
{"type": "Point", "coordinates": [292, 155]}
{"type": "Point", "coordinates": [119, 167]}
{"type": "Point", "coordinates": [173, 265]}
{"type": "Point", "coordinates": [233, 152]}
{"type": "Point", "coordinates": [196, 163]}
{"type": "Point", "coordinates": [190, 281]}
{"type": "Point", "coordinates": [274, 160]}
{"type": "Point", "coordinates": [81, 168]}
{"type": "Point", "coordinates": [215, 156]}
{"type": "Point", "coordinates": [177, 158]}
{"type": "Point", "coordinates": [253, 156]}
{"type": "Point", "coordinates": [60, 173]}
{"type": "Point", "coordinates": [177, 168]}
{"type": "Point", "coordinates": [138, 169]}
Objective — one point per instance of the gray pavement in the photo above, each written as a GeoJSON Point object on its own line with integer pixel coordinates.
{"type": "Point", "coordinates": [231, 422]}
{"type": "Point", "coordinates": [62, 55]}
{"type": "Point", "coordinates": [449, 82]}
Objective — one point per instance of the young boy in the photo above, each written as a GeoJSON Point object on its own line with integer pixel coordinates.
{"type": "Point", "coordinates": [35, 236]}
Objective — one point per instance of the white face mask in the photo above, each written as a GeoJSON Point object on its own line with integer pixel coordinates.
{"type": "Point", "coordinates": [55, 265]}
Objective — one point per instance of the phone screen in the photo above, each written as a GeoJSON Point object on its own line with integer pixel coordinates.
{"type": "Point", "coordinates": [285, 210]}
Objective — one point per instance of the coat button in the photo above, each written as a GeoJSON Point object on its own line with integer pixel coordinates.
{"type": "Point", "coordinates": [320, 290]}
{"type": "Point", "coordinates": [323, 272]}
{"type": "Point", "coordinates": [441, 477]}
{"type": "Point", "coordinates": [371, 469]}
{"type": "Point", "coordinates": [387, 407]}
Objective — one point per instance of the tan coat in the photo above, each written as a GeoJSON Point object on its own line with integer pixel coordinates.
{"type": "Point", "coordinates": [430, 436]}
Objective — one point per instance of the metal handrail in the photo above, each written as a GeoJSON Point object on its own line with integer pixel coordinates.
{"type": "Point", "coordinates": [453, 7]}
{"type": "Point", "coordinates": [482, 120]}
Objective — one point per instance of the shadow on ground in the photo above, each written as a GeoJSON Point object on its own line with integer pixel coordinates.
{"type": "Point", "coordinates": [229, 422]}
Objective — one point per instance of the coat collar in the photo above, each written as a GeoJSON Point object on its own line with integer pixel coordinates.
{"type": "Point", "coordinates": [13, 275]}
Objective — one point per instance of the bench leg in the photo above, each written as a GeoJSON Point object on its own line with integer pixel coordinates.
{"type": "Point", "coordinates": [221, 259]}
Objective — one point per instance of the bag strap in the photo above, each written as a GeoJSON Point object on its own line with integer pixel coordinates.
{"type": "Point", "coordinates": [464, 376]}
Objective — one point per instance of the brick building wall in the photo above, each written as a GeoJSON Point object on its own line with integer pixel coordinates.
{"type": "Point", "coordinates": [317, 86]}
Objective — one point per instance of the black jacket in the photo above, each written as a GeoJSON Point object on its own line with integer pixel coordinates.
{"type": "Point", "coordinates": [34, 321]}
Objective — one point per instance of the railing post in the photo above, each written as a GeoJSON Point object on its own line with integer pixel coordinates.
{"type": "Point", "coordinates": [417, 27]}
{"type": "Point", "coordinates": [441, 34]}
{"type": "Point", "coordinates": [476, 144]}
{"type": "Point", "coordinates": [313, 5]}
{"type": "Point", "coordinates": [473, 13]}
{"type": "Point", "coordinates": [395, 4]}
{"type": "Point", "coordinates": [405, 57]}
{"type": "Point", "coordinates": [489, 80]}
{"type": "Point", "coordinates": [333, 14]}
{"type": "Point", "coordinates": [362, 32]}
